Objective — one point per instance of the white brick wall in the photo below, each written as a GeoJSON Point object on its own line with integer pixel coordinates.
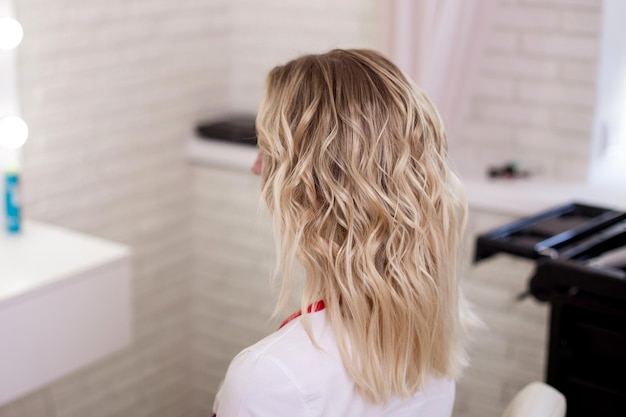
{"type": "Point", "coordinates": [233, 250]}
{"type": "Point", "coordinates": [269, 32]}
{"type": "Point", "coordinates": [537, 84]}
{"type": "Point", "coordinates": [510, 352]}
{"type": "Point", "coordinates": [111, 90]}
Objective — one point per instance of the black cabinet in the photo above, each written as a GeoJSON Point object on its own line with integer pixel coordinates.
{"type": "Point", "coordinates": [580, 254]}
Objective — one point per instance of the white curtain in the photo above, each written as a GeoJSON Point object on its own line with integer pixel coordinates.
{"type": "Point", "coordinates": [438, 43]}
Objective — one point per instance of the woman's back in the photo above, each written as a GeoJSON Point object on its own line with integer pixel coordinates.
{"type": "Point", "coordinates": [286, 375]}
{"type": "Point", "coordinates": [353, 160]}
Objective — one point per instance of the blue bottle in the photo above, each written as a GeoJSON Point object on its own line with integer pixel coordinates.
{"type": "Point", "coordinates": [12, 200]}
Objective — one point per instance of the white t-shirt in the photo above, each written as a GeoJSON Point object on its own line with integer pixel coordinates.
{"type": "Point", "coordinates": [285, 375]}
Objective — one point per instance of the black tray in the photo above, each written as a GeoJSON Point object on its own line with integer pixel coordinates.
{"type": "Point", "coordinates": [582, 267]}
{"type": "Point", "coordinates": [548, 234]}
{"type": "Point", "coordinates": [236, 129]}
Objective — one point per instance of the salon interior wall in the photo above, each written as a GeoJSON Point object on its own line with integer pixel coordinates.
{"type": "Point", "coordinates": [111, 90]}
{"type": "Point", "coordinates": [267, 32]}
{"type": "Point", "coordinates": [536, 91]}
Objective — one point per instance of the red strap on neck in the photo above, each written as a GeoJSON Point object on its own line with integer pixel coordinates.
{"type": "Point", "coordinates": [313, 308]}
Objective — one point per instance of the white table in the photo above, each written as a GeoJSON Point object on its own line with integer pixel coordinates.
{"type": "Point", "coordinates": [65, 302]}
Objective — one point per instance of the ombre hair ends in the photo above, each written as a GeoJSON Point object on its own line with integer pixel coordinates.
{"type": "Point", "coordinates": [356, 177]}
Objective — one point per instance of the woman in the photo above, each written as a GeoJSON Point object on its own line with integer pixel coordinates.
{"type": "Point", "coordinates": [354, 171]}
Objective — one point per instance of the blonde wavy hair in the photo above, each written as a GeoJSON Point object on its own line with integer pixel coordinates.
{"type": "Point", "coordinates": [356, 178]}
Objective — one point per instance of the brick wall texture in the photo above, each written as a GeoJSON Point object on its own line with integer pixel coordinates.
{"type": "Point", "coordinates": [534, 96]}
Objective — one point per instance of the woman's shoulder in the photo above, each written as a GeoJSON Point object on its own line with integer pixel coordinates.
{"type": "Point", "coordinates": [292, 349]}
{"type": "Point", "coordinates": [255, 384]}
{"type": "Point", "coordinates": [285, 374]}
{"type": "Point", "coordinates": [282, 371]}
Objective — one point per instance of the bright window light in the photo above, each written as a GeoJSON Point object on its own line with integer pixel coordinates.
{"type": "Point", "coordinates": [608, 158]}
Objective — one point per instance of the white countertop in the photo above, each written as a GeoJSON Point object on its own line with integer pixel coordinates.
{"type": "Point", "coordinates": [527, 196]}
{"type": "Point", "coordinates": [65, 302]}
{"type": "Point", "coordinates": [221, 154]}
{"type": "Point", "coordinates": [518, 197]}
{"type": "Point", "coordinates": [43, 256]}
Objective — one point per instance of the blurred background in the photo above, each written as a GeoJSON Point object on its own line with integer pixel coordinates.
{"type": "Point", "coordinates": [113, 89]}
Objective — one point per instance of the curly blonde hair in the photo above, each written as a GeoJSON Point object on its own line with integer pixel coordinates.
{"type": "Point", "coordinates": [356, 178]}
